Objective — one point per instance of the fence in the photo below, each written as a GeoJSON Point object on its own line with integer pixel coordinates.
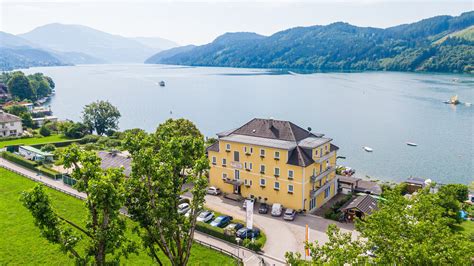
{"type": "Point", "coordinates": [223, 251]}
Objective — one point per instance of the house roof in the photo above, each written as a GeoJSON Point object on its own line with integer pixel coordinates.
{"type": "Point", "coordinates": [35, 150]}
{"type": "Point", "coordinates": [11, 103]}
{"type": "Point", "coordinates": [416, 181]}
{"type": "Point", "coordinates": [300, 157]}
{"type": "Point", "coordinates": [115, 160]}
{"type": "Point", "coordinates": [7, 118]}
{"type": "Point", "coordinates": [365, 204]}
{"type": "Point", "coordinates": [214, 147]}
{"type": "Point", "coordinates": [361, 185]}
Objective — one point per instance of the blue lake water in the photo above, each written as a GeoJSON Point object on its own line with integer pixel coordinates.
{"type": "Point", "coordinates": [382, 110]}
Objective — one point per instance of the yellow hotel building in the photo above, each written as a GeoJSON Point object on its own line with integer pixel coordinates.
{"type": "Point", "coordinates": [275, 162]}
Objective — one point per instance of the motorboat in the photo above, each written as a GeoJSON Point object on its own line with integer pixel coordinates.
{"type": "Point", "coordinates": [162, 83]}
{"type": "Point", "coordinates": [453, 100]}
{"type": "Point", "coordinates": [412, 144]}
{"type": "Point", "coordinates": [368, 149]}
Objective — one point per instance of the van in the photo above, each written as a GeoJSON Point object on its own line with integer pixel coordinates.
{"type": "Point", "coordinates": [277, 209]}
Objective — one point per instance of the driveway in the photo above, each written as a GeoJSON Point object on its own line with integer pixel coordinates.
{"type": "Point", "coordinates": [281, 235]}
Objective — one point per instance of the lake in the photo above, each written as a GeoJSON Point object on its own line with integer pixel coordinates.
{"type": "Point", "coordinates": [382, 110]}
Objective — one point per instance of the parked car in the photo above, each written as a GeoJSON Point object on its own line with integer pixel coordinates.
{"type": "Point", "coordinates": [205, 216]}
{"type": "Point", "coordinates": [221, 221]}
{"type": "Point", "coordinates": [277, 209]}
{"type": "Point", "coordinates": [183, 208]}
{"type": "Point", "coordinates": [245, 202]}
{"type": "Point", "coordinates": [232, 228]}
{"type": "Point", "coordinates": [263, 208]}
{"type": "Point", "coordinates": [247, 233]}
{"type": "Point", "coordinates": [289, 215]}
{"type": "Point", "coordinates": [213, 191]}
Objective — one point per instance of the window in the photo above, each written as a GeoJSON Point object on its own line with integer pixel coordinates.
{"type": "Point", "coordinates": [251, 150]}
{"type": "Point", "coordinates": [248, 166]}
{"type": "Point", "coordinates": [290, 174]}
{"type": "Point", "coordinates": [224, 175]}
{"type": "Point", "coordinates": [247, 182]}
{"type": "Point", "coordinates": [312, 203]}
{"type": "Point", "coordinates": [326, 148]}
{"type": "Point", "coordinates": [262, 153]}
{"type": "Point", "coordinates": [236, 156]}
{"type": "Point", "coordinates": [227, 147]}
{"type": "Point", "coordinates": [328, 164]}
{"type": "Point", "coordinates": [12, 124]}
{"type": "Point", "coordinates": [316, 153]}
{"type": "Point", "coordinates": [290, 188]}
{"type": "Point", "coordinates": [277, 155]}
{"type": "Point", "coordinates": [277, 186]}
{"type": "Point", "coordinates": [262, 169]}
{"type": "Point", "coordinates": [277, 171]}
{"type": "Point", "coordinates": [327, 192]}
{"type": "Point", "coordinates": [262, 182]}
{"type": "Point", "coordinates": [224, 161]}
{"type": "Point", "coordinates": [245, 149]}
{"type": "Point", "coordinates": [214, 160]}
{"type": "Point", "coordinates": [236, 174]}
{"type": "Point", "coordinates": [248, 150]}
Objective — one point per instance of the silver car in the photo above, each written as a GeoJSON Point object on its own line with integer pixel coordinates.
{"type": "Point", "coordinates": [289, 215]}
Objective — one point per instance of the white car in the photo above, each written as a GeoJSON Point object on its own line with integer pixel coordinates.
{"type": "Point", "coordinates": [277, 209]}
{"type": "Point", "coordinates": [205, 216]}
{"type": "Point", "coordinates": [183, 208]}
{"type": "Point", "coordinates": [213, 191]}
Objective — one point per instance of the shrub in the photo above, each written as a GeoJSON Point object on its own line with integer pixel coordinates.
{"type": "Point", "coordinates": [49, 172]}
{"type": "Point", "coordinates": [255, 245]}
{"type": "Point", "coordinates": [76, 130]}
{"type": "Point", "coordinates": [19, 160]}
{"type": "Point", "coordinates": [48, 147]}
{"type": "Point", "coordinates": [44, 131]}
{"type": "Point", "coordinates": [89, 139]}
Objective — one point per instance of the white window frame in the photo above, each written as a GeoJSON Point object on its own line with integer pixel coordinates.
{"type": "Point", "coordinates": [277, 155]}
{"type": "Point", "coordinates": [227, 147]}
{"type": "Point", "coordinates": [292, 175]}
{"type": "Point", "coordinates": [264, 169]}
{"type": "Point", "coordinates": [327, 192]}
{"type": "Point", "coordinates": [224, 161]}
{"type": "Point", "coordinates": [275, 185]}
{"type": "Point", "coordinates": [214, 160]}
{"type": "Point", "coordinates": [277, 173]}
{"type": "Point", "coordinates": [263, 182]}
{"type": "Point", "coordinates": [224, 175]}
{"type": "Point", "coordinates": [236, 174]}
{"type": "Point", "coordinates": [262, 152]}
{"type": "Point", "coordinates": [292, 188]}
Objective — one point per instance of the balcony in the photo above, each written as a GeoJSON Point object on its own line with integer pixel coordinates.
{"type": "Point", "coordinates": [314, 192]}
{"type": "Point", "coordinates": [316, 178]}
{"type": "Point", "coordinates": [235, 182]}
{"type": "Point", "coordinates": [326, 156]}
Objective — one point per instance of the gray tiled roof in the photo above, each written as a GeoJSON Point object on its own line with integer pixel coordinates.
{"type": "Point", "coordinates": [273, 129]}
{"type": "Point", "coordinates": [365, 204]}
{"type": "Point", "coordinates": [300, 157]}
{"type": "Point", "coordinates": [115, 160]}
{"type": "Point", "coordinates": [7, 118]}
{"type": "Point", "coordinates": [274, 143]}
{"type": "Point", "coordinates": [214, 147]}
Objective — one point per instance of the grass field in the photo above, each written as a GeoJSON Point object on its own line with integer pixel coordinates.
{"type": "Point", "coordinates": [32, 141]}
{"type": "Point", "coordinates": [21, 243]}
{"type": "Point", "coordinates": [466, 227]}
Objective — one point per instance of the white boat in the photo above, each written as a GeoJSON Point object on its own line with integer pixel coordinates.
{"type": "Point", "coordinates": [368, 149]}
{"type": "Point", "coordinates": [412, 144]}
{"type": "Point", "coordinates": [162, 83]}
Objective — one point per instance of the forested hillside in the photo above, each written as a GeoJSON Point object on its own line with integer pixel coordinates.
{"type": "Point", "coordinates": [440, 43]}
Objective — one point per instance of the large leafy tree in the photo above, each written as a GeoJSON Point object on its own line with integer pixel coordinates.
{"type": "Point", "coordinates": [19, 86]}
{"type": "Point", "coordinates": [162, 163]}
{"type": "Point", "coordinates": [105, 227]}
{"type": "Point", "coordinates": [404, 231]}
{"type": "Point", "coordinates": [101, 117]}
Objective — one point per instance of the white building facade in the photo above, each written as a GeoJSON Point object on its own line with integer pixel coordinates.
{"type": "Point", "coordinates": [10, 125]}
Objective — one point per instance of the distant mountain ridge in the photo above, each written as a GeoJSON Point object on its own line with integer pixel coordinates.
{"type": "Point", "coordinates": [340, 46]}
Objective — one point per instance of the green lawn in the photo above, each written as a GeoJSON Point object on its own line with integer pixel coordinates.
{"type": "Point", "coordinates": [466, 227]}
{"type": "Point", "coordinates": [21, 243]}
{"type": "Point", "coordinates": [32, 141]}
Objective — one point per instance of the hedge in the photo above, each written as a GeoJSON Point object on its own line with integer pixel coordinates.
{"type": "Point", "coordinates": [49, 172]}
{"type": "Point", "coordinates": [59, 144]}
{"type": "Point", "coordinates": [19, 160]}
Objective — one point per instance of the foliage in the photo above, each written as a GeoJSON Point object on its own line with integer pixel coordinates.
{"type": "Point", "coordinates": [341, 47]}
{"type": "Point", "coordinates": [460, 191]}
{"type": "Point", "coordinates": [76, 130]}
{"type": "Point", "coordinates": [25, 245]}
{"type": "Point", "coordinates": [101, 117]}
{"type": "Point", "coordinates": [19, 86]}
{"type": "Point", "coordinates": [105, 227]}
{"type": "Point", "coordinates": [339, 250]}
{"type": "Point", "coordinates": [333, 212]}
{"type": "Point", "coordinates": [22, 112]}
{"type": "Point", "coordinates": [162, 163]}
{"type": "Point", "coordinates": [19, 160]}
{"type": "Point", "coordinates": [48, 148]}
{"type": "Point", "coordinates": [44, 131]}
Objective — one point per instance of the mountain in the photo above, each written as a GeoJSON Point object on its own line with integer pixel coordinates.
{"type": "Point", "coordinates": [168, 53]}
{"type": "Point", "coordinates": [343, 47]}
{"type": "Point", "coordinates": [94, 43]}
{"type": "Point", "coordinates": [16, 52]}
{"type": "Point", "coordinates": [156, 43]}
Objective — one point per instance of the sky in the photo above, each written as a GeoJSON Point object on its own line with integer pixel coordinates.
{"type": "Point", "coordinates": [199, 22]}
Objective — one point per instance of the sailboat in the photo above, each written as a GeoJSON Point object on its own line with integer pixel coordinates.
{"type": "Point", "coordinates": [453, 100]}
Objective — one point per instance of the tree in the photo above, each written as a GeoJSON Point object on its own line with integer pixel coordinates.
{"type": "Point", "coordinates": [459, 191]}
{"type": "Point", "coordinates": [48, 147]}
{"type": "Point", "coordinates": [403, 231]}
{"type": "Point", "coordinates": [44, 131]}
{"type": "Point", "coordinates": [105, 227]}
{"type": "Point", "coordinates": [100, 116]}
{"type": "Point", "coordinates": [76, 130]}
{"type": "Point", "coordinates": [162, 163]}
{"type": "Point", "coordinates": [19, 86]}
{"type": "Point", "coordinates": [27, 121]}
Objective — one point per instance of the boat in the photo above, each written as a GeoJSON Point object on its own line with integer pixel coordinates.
{"type": "Point", "coordinates": [162, 83]}
{"type": "Point", "coordinates": [453, 100]}
{"type": "Point", "coordinates": [368, 149]}
{"type": "Point", "coordinates": [412, 144]}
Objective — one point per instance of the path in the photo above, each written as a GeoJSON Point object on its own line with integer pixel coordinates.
{"type": "Point", "coordinates": [248, 257]}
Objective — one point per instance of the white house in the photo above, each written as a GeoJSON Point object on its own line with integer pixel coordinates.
{"type": "Point", "coordinates": [34, 154]}
{"type": "Point", "coordinates": [40, 121]}
{"type": "Point", "coordinates": [10, 125]}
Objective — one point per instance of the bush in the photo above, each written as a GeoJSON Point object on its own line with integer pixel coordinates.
{"type": "Point", "coordinates": [89, 139]}
{"type": "Point", "coordinates": [19, 160]}
{"type": "Point", "coordinates": [49, 172]}
{"type": "Point", "coordinates": [256, 245]}
{"type": "Point", "coordinates": [76, 130]}
{"type": "Point", "coordinates": [48, 147]}
{"type": "Point", "coordinates": [44, 131]}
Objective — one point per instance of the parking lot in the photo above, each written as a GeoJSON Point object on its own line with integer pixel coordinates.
{"type": "Point", "coordinates": [281, 235]}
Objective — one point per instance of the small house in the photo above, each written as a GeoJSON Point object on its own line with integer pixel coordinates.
{"type": "Point", "coordinates": [350, 184]}
{"type": "Point", "coordinates": [40, 121]}
{"type": "Point", "coordinates": [10, 125]}
{"type": "Point", "coordinates": [415, 183]}
{"type": "Point", "coordinates": [115, 159]}
{"type": "Point", "coordinates": [359, 207]}
{"type": "Point", "coordinates": [35, 154]}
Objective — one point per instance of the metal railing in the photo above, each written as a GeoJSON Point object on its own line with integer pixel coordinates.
{"type": "Point", "coordinates": [221, 250]}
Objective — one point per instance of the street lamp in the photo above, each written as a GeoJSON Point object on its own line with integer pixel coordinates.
{"type": "Point", "coordinates": [238, 240]}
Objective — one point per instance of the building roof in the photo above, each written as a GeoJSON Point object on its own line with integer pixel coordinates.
{"type": "Point", "coordinates": [416, 181]}
{"type": "Point", "coordinates": [300, 157]}
{"type": "Point", "coordinates": [361, 185]}
{"type": "Point", "coordinates": [365, 204]}
{"type": "Point", "coordinates": [35, 150]}
{"type": "Point", "coordinates": [274, 143]}
{"type": "Point", "coordinates": [115, 160]}
{"type": "Point", "coordinates": [7, 118]}
{"type": "Point", "coordinates": [214, 147]}
{"type": "Point", "coordinates": [11, 103]}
